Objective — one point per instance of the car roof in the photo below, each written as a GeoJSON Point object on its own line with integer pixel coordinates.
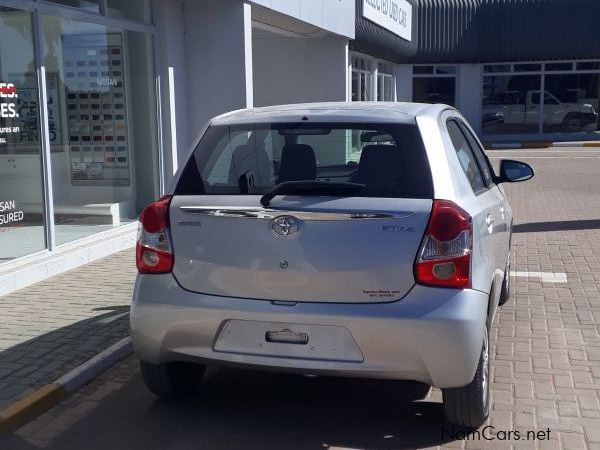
{"type": "Point", "coordinates": [370, 112]}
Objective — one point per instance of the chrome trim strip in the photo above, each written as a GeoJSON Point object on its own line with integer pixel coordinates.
{"type": "Point", "coordinates": [269, 214]}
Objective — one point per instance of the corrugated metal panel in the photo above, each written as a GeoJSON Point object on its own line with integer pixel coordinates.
{"type": "Point", "coordinates": [488, 31]}
{"type": "Point", "coordinates": [377, 41]}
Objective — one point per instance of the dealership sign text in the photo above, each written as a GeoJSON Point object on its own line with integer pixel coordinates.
{"type": "Point", "coordinates": [393, 15]}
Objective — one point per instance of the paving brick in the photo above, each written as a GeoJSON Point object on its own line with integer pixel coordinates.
{"type": "Point", "coordinates": [49, 328]}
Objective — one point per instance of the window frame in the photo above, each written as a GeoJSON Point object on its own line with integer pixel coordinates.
{"type": "Point", "coordinates": [436, 73]}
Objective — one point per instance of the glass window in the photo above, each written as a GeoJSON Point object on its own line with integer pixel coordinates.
{"type": "Point", "coordinates": [590, 65]}
{"type": "Point", "coordinates": [139, 10]}
{"type": "Point", "coordinates": [361, 80]}
{"type": "Point", "coordinates": [388, 159]}
{"type": "Point", "coordinates": [571, 102]}
{"type": "Point", "coordinates": [365, 86]}
{"type": "Point", "coordinates": [434, 90]}
{"type": "Point", "coordinates": [103, 125]}
{"type": "Point", "coordinates": [87, 5]}
{"type": "Point", "coordinates": [385, 92]}
{"type": "Point", "coordinates": [484, 163]}
{"type": "Point", "coordinates": [465, 156]}
{"type": "Point", "coordinates": [22, 221]}
{"type": "Point", "coordinates": [509, 104]}
{"type": "Point", "coordinates": [528, 67]}
{"type": "Point", "coordinates": [559, 66]}
{"type": "Point", "coordinates": [445, 70]}
{"type": "Point", "coordinates": [422, 70]}
{"type": "Point", "coordinates": [495, 68]}
{"type": "Point", "coordinates": [361, 86]}
{"type": "Point", "coordinates": [355, 85]}
{"type": "Point", "coordinates": [384, 68]}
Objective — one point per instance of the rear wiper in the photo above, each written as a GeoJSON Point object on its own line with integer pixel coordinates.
{"type": "Point", "coordinates": [310, 186]}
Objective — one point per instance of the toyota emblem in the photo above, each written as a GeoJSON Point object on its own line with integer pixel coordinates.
{"type": "Point", "coordinates": [285, 226]}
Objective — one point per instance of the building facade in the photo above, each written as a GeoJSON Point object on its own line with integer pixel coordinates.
{"type": "Point", "coordinates": [492, 59]}
{"type": "Point", "coordinates": [100, 100]}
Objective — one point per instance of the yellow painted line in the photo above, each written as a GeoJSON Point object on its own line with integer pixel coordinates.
{"type": "Point", "coordinates": [28, 408]}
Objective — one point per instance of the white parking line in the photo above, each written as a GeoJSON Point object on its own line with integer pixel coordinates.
{"type": "Point", "coordinates": [547, 277]}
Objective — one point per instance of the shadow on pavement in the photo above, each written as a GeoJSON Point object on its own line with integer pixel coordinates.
{"type": "Point", "coordinates": [562, 225]}
{"type": "Point", "coordinates": [250, 410]}
{"type": "Point", "coordinates": [41, 360]}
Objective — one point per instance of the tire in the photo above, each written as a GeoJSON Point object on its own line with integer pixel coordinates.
{"type": "Point", "coordinates": [505, 291]}
{"type": "Point", "coordinates": [573, 122]}
{"type": "Point", "coordinates": [173, 380]}
{"type": "Point", "coordinates": [469, 406]}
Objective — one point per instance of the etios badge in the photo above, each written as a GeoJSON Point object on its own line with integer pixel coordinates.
{"type": "Point", "coordinates": [285, 226]}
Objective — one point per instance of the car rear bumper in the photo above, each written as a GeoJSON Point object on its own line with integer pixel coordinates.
{"type": "Point", "coordinates": [432, 335]}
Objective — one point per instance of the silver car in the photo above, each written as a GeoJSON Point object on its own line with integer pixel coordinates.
{"type": "Point", "coordinates": [343, 239]}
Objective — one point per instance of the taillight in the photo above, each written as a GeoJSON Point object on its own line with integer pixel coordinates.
{"type": "Point", "coordinates": [444, 259]}
{"type": "Point", "coordinates": [153, 252]}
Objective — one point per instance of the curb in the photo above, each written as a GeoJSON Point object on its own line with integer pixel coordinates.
{"type": "Point", "coordinates": [46, 397]}
{"type": "Point", "coordinates": [577, 144]}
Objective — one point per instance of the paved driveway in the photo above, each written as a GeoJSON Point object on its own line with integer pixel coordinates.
{"type": "Point", "coordinates": [546, 361]}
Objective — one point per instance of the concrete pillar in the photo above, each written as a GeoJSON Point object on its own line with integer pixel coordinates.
{"type": "Point", "coordinates": [469, 93]}
{"type": "Point", "coordinates": [404, 83]}
{"type": "Point", "coordinates": [173, 80]}
{"type": "Point", "coordinates": [218, 47]}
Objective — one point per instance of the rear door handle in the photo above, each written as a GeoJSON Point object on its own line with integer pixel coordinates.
{"type": "Point", "coordinates": [489, 219]}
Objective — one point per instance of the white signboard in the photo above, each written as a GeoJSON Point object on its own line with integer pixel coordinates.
{"type": "Point", "coordinates": [393, 15]}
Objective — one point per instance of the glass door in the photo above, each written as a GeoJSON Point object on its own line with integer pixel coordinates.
{"type": "Point", "coordinates": [22, 224]}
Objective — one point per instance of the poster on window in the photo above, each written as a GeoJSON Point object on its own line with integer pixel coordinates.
{"type": "Point", "coordinates": [21, 112]}
{"type": "Point", "coordinates": [96, 109]}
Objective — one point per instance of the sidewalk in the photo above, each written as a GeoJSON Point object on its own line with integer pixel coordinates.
{"type": "Point", "coordinates": [50, 328]}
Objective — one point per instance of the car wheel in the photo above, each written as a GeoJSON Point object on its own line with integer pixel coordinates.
{"type": "Point", "coordinates": [573, 122]}
{"type": "Point", "coordinates": [172, 380]}
{"type": "Point", "coordinates": [469, 406]}
{"type": "Point", "coordinates": [505, 292]}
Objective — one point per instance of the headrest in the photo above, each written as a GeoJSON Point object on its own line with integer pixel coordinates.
{"type": "Point", "coordinates": [298, 162]}
{"type": "Point", "coordinates": [380, 167]}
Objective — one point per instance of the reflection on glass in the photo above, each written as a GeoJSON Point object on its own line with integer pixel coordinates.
{"type": "Point", "coordinates": [511, 104]}
{"type": "Point", "coordinates": [355, 88]}
{"type": "Point", "coordinates": [422, 70]}
{"type": "Point", "coordinates": [87, 5]}
{"type": "Point", "coordinates": [385, 91]}
{"type": "Point", "coordinates": [131, 9]}
{"type": "Point", "coordinates": [21, 200]}
{"type": "Point", "coordinates": [434, 90]}
{"type": "Point", "coordinates": [102, 113]}
{"type": "Point", "coordinates": [571, 102]}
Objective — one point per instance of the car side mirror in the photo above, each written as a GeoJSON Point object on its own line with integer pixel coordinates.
{"type": "Point", "coordinates": [514, 171]}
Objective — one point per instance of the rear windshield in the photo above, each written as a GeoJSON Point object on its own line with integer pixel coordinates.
{"type": "Point", "coordinates": [389, 159]}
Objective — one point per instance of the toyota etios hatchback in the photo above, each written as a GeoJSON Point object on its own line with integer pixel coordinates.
{"type": "Point", "coordinates": [353, 239]}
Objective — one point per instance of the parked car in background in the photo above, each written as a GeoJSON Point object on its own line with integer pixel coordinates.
{"type": "Point", "coordinates": [514, 108]}
{"type": "Point", "coordinates": [342, 239]}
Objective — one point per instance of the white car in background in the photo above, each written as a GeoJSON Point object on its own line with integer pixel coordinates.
{"type": "Point", "coordinates": [342, 239]}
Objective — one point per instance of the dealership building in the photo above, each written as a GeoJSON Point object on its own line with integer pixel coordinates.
{"type": "Point", "coordinates": [100, 100]}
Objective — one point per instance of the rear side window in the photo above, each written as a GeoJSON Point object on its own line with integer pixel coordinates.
{"type": "Point", "coordinates": [484, 163]}
{"type": "Point", "coordinates": [389, 160]}
{"type": "Point", "coordinates": [466, 156]}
